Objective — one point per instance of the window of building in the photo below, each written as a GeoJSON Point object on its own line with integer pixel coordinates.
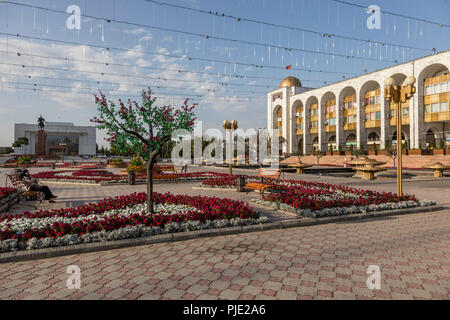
{"type": "Point", "coordinates": [405, 112]}
{"type": "Point", "coordinates": [377, 100]}
{"type": "Point", "coordinates": [444, 106]}
{"type": "Point", "coordinates": [427, 108]}
{"type": "Point", "coordinates": [378, 115]}
{"type": "Point", "coordinates": [436, 88]}
{"type": "Point", "coordinates": [434, 107]}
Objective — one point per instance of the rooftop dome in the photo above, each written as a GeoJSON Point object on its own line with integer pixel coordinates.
{"type": "Point", "coordinates": [290, 82]}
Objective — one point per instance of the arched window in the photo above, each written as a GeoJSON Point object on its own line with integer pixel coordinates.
{"type": "Point", "coordinates": [316, 143]}
{"type": "Point", "coordinates": [351, 138]}
{"type": "Point", "coordinates": [374, 137]}
{"type": "Point", "coordinates": [431, 139]}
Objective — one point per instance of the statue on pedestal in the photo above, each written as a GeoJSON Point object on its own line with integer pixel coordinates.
{"type": "Point", "coordinates": [41, 123]}
{"type": "Point", "coordinates": [41, 141]}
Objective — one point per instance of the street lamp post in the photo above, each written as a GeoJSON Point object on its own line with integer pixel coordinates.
{"type": "Point", "coordinates": [63, 145]}
{"type": "Point", "coordinates": [230, 126]}
{"type": "Point", "coordinates": [399, 95]}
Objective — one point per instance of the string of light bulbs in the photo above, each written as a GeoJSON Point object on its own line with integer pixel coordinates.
{"type": "Point", "coordinates": [162, 94]}
{"type": "Point", "coordinates": [440, 24]}
{"type": "Point", "coordinates": [29, 76]}
{"type": "Point", "coordinates": [322, 34]}
{"type": "Point", "coordinates": [238, 76]}
{"type": "Point", "coordinates": [260, 66]}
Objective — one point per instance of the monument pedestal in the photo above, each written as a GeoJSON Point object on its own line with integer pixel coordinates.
{"type": "Point", "coordinates": [41, 143]}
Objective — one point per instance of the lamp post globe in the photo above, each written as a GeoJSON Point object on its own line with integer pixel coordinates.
{"type": "Point", "coordinates": [389, 82]}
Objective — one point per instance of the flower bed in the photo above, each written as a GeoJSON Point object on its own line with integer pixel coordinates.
{"type": "Point", "coordinates": [121, 218]}
{"type": "Point", "coordinates": [7, 195]}
{"type": "Point", "coordinates": [5, 192]}
{"type": "Point", "coordinates": [312, 199]}
{"type": "Point", "coordinates": [105, 177]}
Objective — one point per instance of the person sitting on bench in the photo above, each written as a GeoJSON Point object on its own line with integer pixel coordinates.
{"type": "Point", "coordinates": [34, 186]}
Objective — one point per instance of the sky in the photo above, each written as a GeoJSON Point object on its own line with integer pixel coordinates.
{"type": "Point", "coordinates": [225, 65]}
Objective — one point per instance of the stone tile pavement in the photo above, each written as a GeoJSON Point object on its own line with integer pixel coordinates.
{"type": "Point", "coordinates": [319, 262]}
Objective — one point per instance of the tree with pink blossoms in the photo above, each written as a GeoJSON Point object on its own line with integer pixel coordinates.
{"type": "Point", "coordinates": [145, 129]}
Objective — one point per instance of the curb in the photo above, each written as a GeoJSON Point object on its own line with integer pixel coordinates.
{"type": "Point", "coordinates": [21, 256]}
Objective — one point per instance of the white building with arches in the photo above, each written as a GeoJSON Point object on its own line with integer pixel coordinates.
{"type": "Point", "coordinates": [355, 112]}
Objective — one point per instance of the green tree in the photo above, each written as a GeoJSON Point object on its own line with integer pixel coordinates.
{"type": "Point", "coordinates": [20, 143]}
{"type": "Point", "coordinates": [148, 127]}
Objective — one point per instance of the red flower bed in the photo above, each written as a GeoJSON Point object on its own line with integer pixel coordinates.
{"type": "Point", "coordinates": [318, 196]}
{"type": "Point", "coordinates": [313, 195]}
{"type": "Point", "coordinates": [105, 176]}
{"type": "Point", "coordinates": [211, 209]}
{"type": "Point", "coordinates": [4, 192]}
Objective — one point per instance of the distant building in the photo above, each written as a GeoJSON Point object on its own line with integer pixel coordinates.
{"type": "Point", "coordinates": [355, 112]}
{"type": "Point", "coordinates": [80, 140]}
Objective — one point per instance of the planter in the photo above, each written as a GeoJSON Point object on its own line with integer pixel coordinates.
{"type": "Point", "coordinates": [382, 153]}
{"type": "Point", "coordinates": [330, 153]}
{"type": "Point", "coordinates": [373, 152]}
{"type": "Point", "coordinates": [348, 153]}
{"type": "Point", "coordinates": [405, 152]}
{"type": "Point", "coordinates": [415, 152]}
{"type": "Point", "coordinates": [131, 178]}
{"type": "Point", "coordinates": [341, 153]}
{"type": "Point", "coordinates": [439, 152]}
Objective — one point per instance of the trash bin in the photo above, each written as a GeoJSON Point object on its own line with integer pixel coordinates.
{"type": "Point", "coordinates": [131, 178]}
{"type": "Point", "coordinates": [240, 184]}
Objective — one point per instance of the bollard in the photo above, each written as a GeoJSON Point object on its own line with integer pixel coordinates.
{"type": "Point", "coordinates": [131, 178]}
{"type": "Point", "coordinates": [240, 184]}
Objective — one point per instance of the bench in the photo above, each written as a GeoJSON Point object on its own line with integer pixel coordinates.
{"type": "Point", "coordinates": [162, 172]}
{"type": "Point", "coordinates": [263, 173]}
{"type": "Point", "coordinates": [23, 190]}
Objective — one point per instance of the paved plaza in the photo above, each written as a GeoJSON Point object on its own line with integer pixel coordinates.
{"type": "Point", "coordinates": [318, 262]}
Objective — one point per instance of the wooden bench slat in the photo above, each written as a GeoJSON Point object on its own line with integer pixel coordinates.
{"type": "Point", "coordinates": [264, 173]}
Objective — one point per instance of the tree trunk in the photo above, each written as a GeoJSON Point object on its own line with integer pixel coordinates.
{"type": "Point", "coordinates": [150, 208]}
{"type": "Point", "coordinates": [150, 163]}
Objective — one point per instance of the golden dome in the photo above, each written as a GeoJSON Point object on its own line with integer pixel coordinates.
{"type": "Point", "coordinates": [290, 82]}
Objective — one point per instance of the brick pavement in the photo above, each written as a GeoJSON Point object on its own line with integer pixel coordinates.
{"type": "Point", "coordinates": [320, 262]}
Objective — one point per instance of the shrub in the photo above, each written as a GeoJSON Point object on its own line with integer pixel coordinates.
{"type": "Point", "coordinates": [118, 162]}
{"type": "Point", "coordinates": [24, 160]}
{"type": "Point", "coordinates": [136, 165]}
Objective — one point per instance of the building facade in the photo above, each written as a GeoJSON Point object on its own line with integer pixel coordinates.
{"type": "Point", "coordinates": [79, 140]}
{"type": "Point", "coordinates": [355, 112]}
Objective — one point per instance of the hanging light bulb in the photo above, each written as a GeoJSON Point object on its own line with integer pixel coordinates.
{"type": "Point", "coordinates": [387, 25]}
{"type": "Point", "coordinates": [408, 30]}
